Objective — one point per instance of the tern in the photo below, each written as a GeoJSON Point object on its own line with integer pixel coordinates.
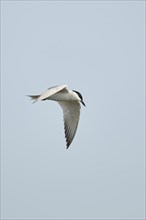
{"type": "Point", "coordinates": [69, 100]}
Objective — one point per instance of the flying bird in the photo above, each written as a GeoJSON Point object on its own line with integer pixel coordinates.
{"type": "Point", "coordinates": [69, 100]}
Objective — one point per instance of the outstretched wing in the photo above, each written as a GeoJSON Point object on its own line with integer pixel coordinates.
{"type": "Point", "coordinates": [71, 114]}
{"type": "Point", "coordinates": [51, 91]}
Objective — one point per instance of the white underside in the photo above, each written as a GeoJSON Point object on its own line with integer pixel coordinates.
{"type": "Point", "coordinates": [70, 104]}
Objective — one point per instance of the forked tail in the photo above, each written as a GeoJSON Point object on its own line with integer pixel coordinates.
{"type": "Point", "coordinates": [34, 97]}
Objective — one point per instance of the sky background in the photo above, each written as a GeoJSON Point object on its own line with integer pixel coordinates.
{"type": "Point", "coordinates": [96, 48]}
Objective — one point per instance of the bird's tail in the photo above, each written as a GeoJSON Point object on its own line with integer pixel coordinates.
{"type": "Point", "coordinates": [34, 97]}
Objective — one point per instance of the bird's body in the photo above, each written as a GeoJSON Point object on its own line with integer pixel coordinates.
{"type": "Point", "coordinates": [69, 100]}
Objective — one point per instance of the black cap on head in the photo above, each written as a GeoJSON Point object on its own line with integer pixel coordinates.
{"type": "Point", "coordinates": [81, 97]}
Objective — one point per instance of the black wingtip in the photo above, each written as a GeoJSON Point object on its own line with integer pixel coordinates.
{"type": "Point", "coordinates": [67, 146]}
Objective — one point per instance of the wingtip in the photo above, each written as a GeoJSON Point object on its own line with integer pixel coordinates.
{"type": "Point", "coordinates": [67, 147]}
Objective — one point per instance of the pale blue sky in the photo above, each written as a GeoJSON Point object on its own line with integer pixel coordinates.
{"type": "Point", "coordinates": [97, 48]}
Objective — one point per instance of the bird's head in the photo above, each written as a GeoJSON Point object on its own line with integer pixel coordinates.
{"type": "Point", "coordinates": [80, 97]}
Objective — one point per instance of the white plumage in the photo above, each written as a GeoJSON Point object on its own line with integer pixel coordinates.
{"type": "Point", "coordinates": [69, 100]}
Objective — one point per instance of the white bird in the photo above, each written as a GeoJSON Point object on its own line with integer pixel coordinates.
{"type": "Point", "coordinates": [69, 100]}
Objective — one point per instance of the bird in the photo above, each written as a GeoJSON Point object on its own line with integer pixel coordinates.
{"type": "Point", "coordinates": [69, 100]}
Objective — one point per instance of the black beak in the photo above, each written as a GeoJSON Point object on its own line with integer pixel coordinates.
{"type": "Point", "coordinates": [83, 103]}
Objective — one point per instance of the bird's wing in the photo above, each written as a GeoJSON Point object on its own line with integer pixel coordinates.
{"type": "Point", "coordinates": [51, 91]}
{"type": "Point", "coordinates": [71, 114]}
